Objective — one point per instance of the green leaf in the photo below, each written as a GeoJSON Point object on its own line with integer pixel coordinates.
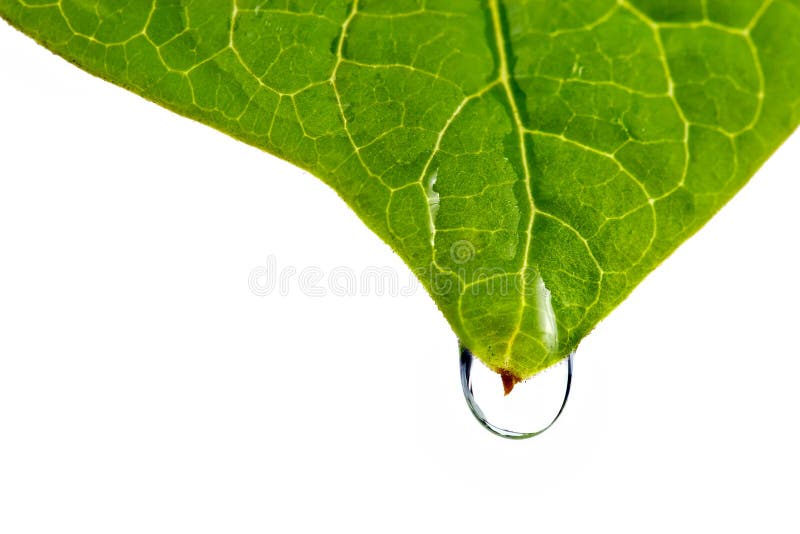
{"type": "Point", "coordinates": [531, 160]}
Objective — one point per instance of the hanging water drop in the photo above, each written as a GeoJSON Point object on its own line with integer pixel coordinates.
{"type": "Point", "coordinates": [527, 411]}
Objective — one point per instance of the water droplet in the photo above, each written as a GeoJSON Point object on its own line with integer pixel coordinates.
{"type": "Point", "coordinates": [530, 409]}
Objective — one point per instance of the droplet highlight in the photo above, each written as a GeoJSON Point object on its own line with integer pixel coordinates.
{"type": "Point", "coordinates": [532, 407]}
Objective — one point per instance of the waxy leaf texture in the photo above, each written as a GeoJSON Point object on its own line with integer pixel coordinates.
{"type": "Point", "coordinates": [530, 160]}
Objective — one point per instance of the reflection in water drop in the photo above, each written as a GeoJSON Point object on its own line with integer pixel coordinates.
{"type": "Point", "coordinates": [530, 409]}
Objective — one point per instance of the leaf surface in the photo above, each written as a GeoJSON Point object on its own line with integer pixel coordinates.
{"type": "Point", "coordinates": [531, 160]}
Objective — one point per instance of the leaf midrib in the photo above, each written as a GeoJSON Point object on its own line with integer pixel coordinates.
{"type": "Point", "coordinates": [502, 44]}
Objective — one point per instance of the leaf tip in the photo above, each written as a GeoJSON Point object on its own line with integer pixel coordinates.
{"type": "Point", "coordinates": [509, 381]}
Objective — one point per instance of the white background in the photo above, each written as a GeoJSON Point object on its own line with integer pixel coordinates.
{"type": "Point", "coordinates": [145, 388]}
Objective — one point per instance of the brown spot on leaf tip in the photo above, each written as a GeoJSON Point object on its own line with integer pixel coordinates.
{"type": "Point", "coordinates": [509, 380]}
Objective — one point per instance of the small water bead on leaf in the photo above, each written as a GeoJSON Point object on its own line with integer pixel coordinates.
{"type": "Point", "coordinates": [511, 408]}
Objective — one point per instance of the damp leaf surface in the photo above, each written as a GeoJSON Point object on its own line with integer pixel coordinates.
{"type": "Point", "coordinates": [530, 160]}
